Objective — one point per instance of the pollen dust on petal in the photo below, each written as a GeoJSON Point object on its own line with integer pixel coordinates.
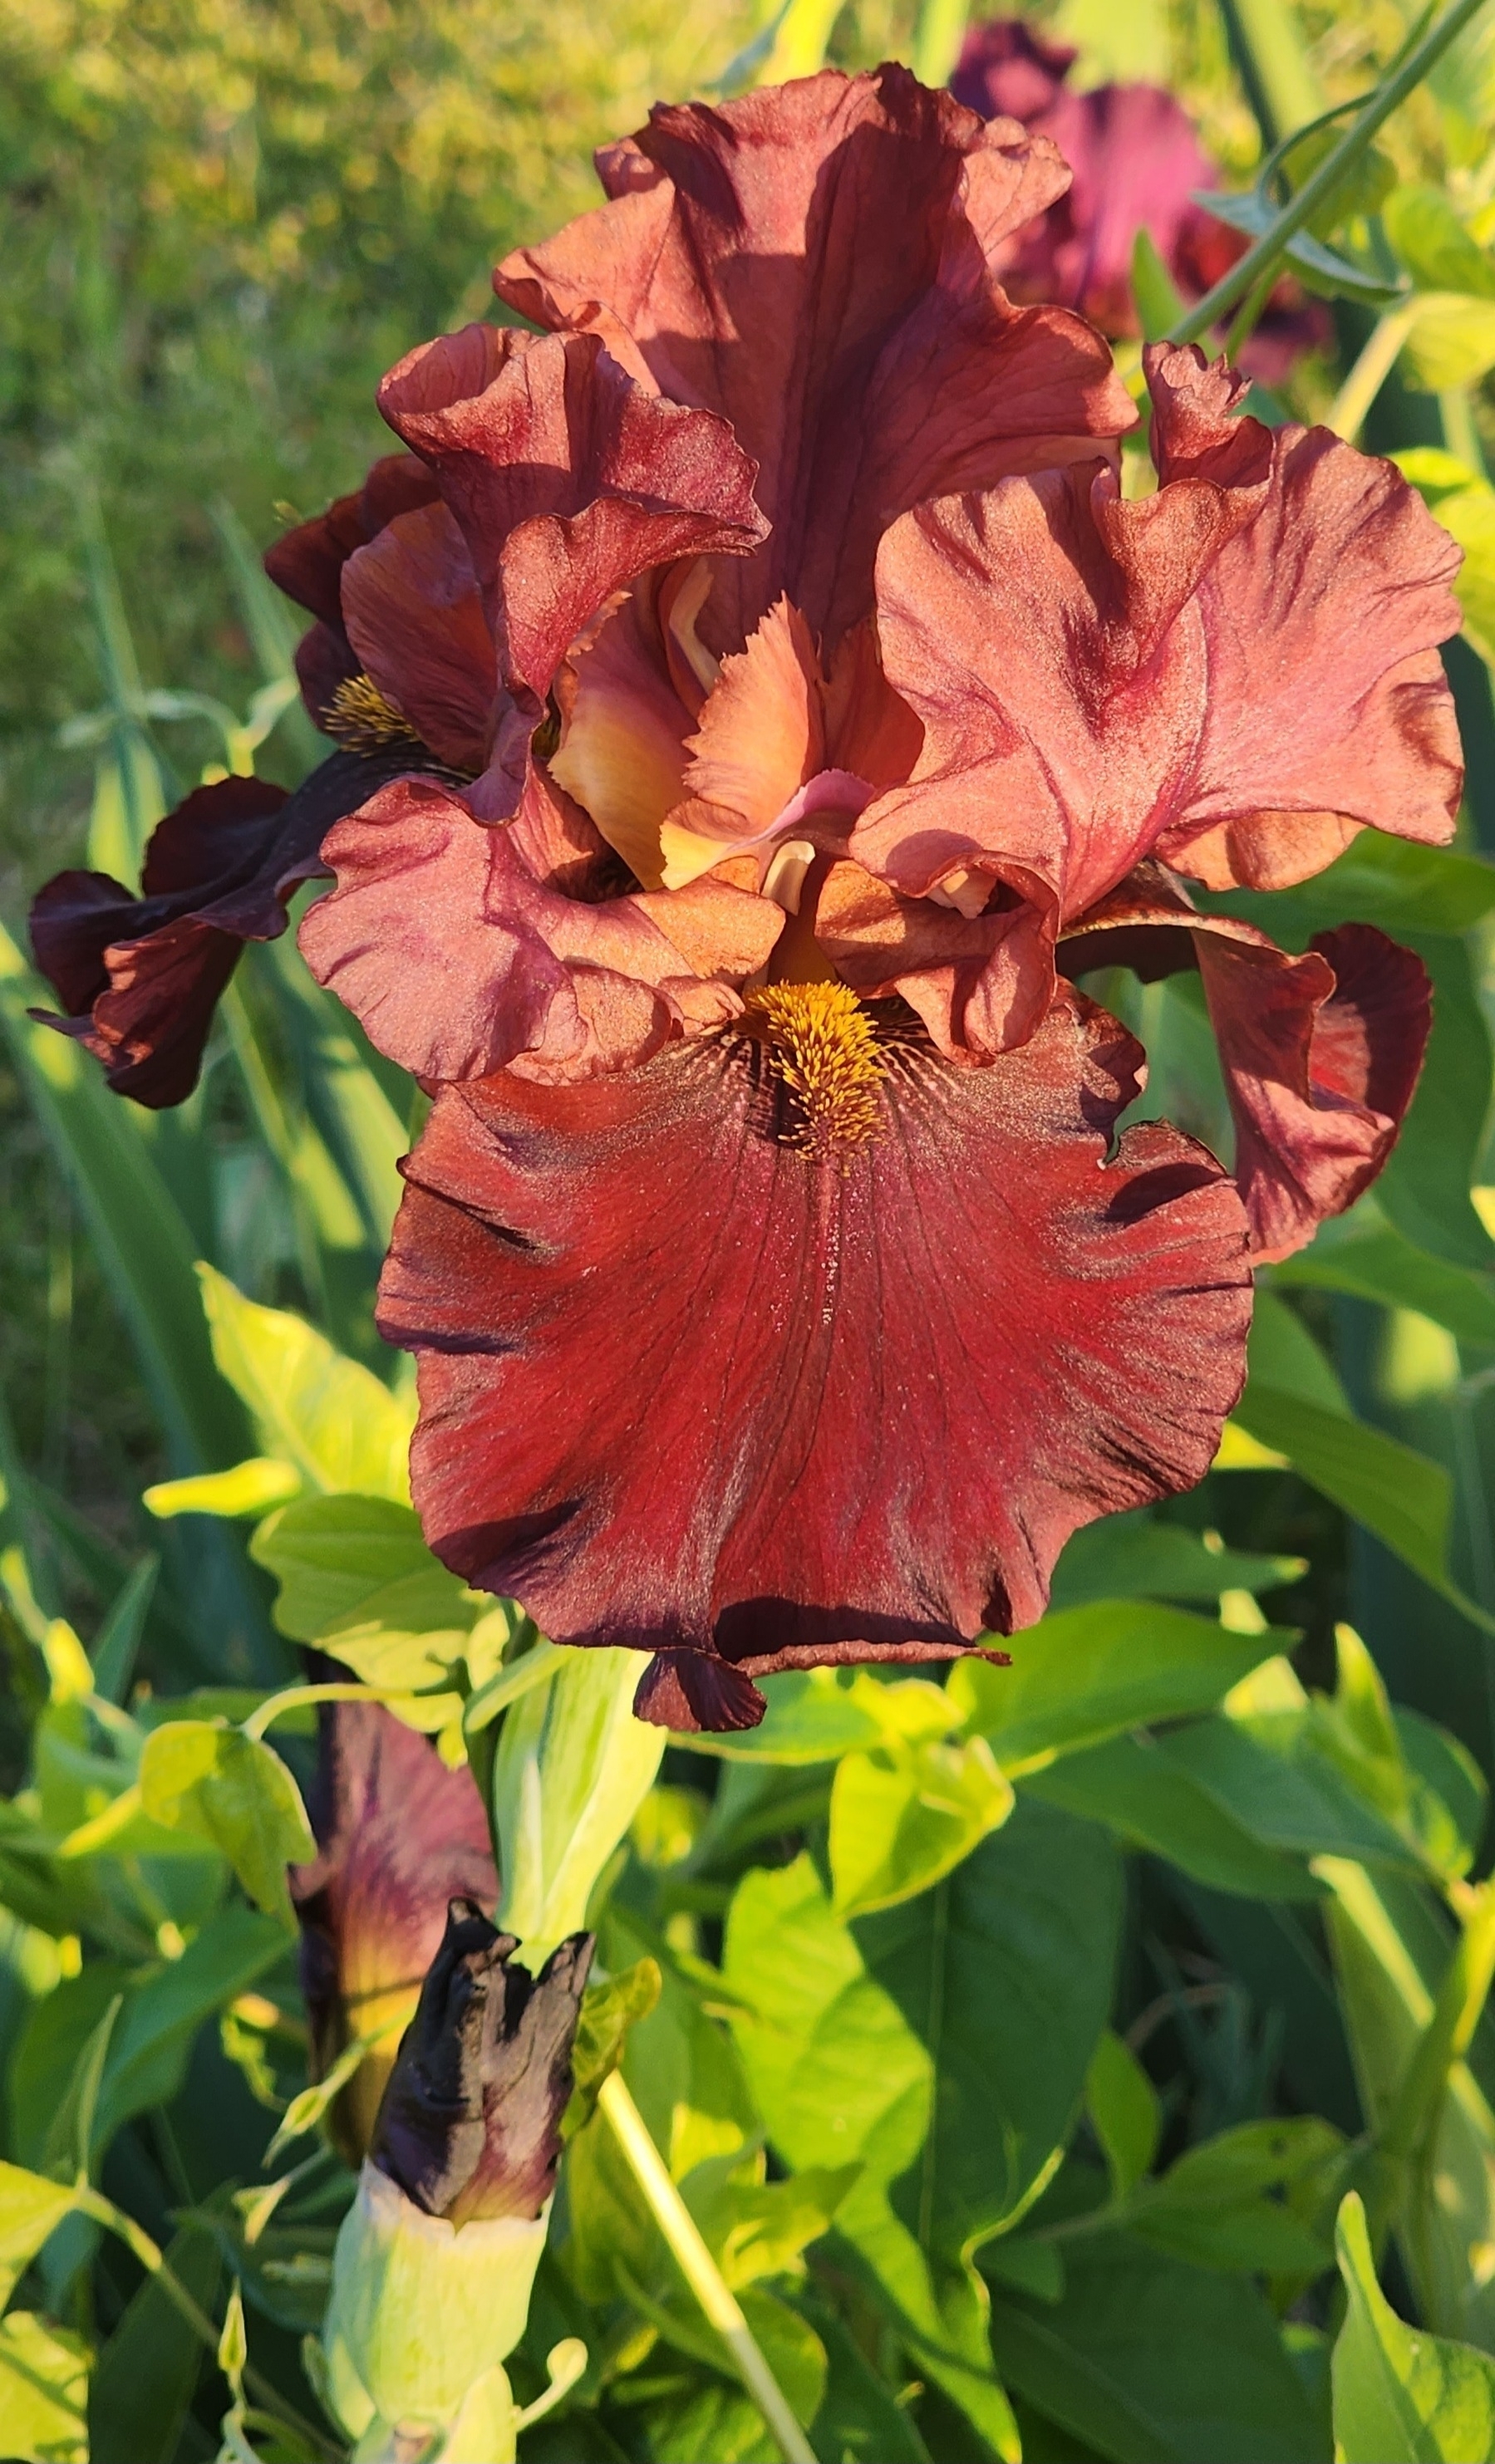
{"type": "Point", "coordinates": [363, 719]}
{"type": "Point", "coordinates": [827, 1054]}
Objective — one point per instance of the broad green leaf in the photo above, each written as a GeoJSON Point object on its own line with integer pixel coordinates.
{"type": "Point", "coordinates": [1084, 1673]}
{"type": "Point", "coordinates": [202, 1775]}
{"type": "Point", "coordinates": [250, 1488]}
{"type": "Point", "coordinates": [1391, 1946]}
{"type": "Point", "coordinates": [813, 1717]}
{"type": "Point", "coordinates": [1212, 2206]}
{"type": "Point", "coordinates": [1132, 1556]}
{"type": "Point", "coordinates": [1149, 2362]}
{"type": "Point", "coordinates": [1464, 503]}
{"type": "Point", "coordinates": [1432, 244]}
{"type": "Point", "coordinates": [43, 2391]}
{"type": "Point", "coordinates": [1274, 1778]}
{"type": "Point", "coordinates": [834, 2066]}
{"type": "Point", "coordinates": [1401, 2397]}
{"type": "Point", "coordinates": [1006, 1976]}
{"type": "Point", "coordinates": [1400, 1496]}
{"type": "Point", "coordinates": [1380, 880]}
{"type": "Point", "coordinates": [1123, 2111]}
{"type": "Point", "coordinates": [1150, 1801]}
{"type": "Point", "coordinates": [1366, 1256]}
{"type": "Point", "coordinates": [30, 2209]}
{"type": "Point", "coordinates": [759, 2229]}
{"type": "Point", "coordinates": [900, 1819]}
{"type": "Point", "coordinates": [356, 1575]}
{"type": "Point", "coordinates": [1283, 1355]}
{"type": "Point", "coordinates": [1451, 341]}
{"type": "Point", "coordinates": [327, 1415]}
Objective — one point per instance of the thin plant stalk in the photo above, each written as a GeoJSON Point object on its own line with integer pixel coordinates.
{"type": "Point", "coordinates": [1352, 403]}
{"type": "Point", "coordinates": [699, 2269]}
{"type": "Point", "coordinates": [1323, 182]}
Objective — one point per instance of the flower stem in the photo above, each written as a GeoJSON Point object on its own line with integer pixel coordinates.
{"type": "Point", "coordinates": [699, 2269]}
{"type": "Point", "coordinates": [294, 1698]}
{"type": "Point", "coordinates": [1322, 184]}
{"type": "Point", "coordinates": [1351, 404]}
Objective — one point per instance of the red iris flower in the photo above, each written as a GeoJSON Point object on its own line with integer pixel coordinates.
{"type": "Point", "coordinates": [1137, 164]}
{"type": "Point", "coordinates": [781, 1289]}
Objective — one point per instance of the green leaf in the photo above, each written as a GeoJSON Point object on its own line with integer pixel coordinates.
{"type": "Point", "coordinates": [1401, 2397]}
{"type": "Point", "coordinates": [1425, 1186]}
{"type": "Point", "coordinates": [30, 2209]}
{"type": "Point", "coordinates": [813, 1717]}
{"type": "Point", "coordinates": [1124, 2114]}
{"type": "Point", "coordinates": [858, 2418]}
{"type": "Point", "coordinates": [1212, 2206]}
{"type": "Point", "coordinates": [1400, 1496]}
{"type": "Point", "coordinates": [43, 2391]}
{"type": "Point", "coordinates": [1366, 1255]}
{"type": "Point", "coordinates": [204, 1776]}
{"type": "Point", "coordinates": [831, 2061]}
{"type": "Point", "coordinates": [790, 2348]}
{"type": "Point", "coordinates": [1150, 1801]}
{"type": "Point", "coordinates": [903, 1817]}
{"type": "Point", "coordinates": [328, 1416]}
{"type": "Point", "coordinates": [1451, 341]}
{"type": "Point", "coordinates": [1432, 244]}
{"type": "Point", "coordinates": [758, 2229]}
{"type": "Point", "coordinates": [1159, 302]}
{"type": "Point", "coordinates": [1380, 880]}
{"type": "Point", "coordinates": [1390, 1944]}
{"type": "Point", "coordinates": [607, 2012]}
{"type": "Point", "coordinates": [1084, 1673]}
{"type": "Point", "coordinates": [137, 1232]}
{"type": "Point", "coordinates": [1149, 2362]}
{"type": "Point", "coordinates": [356, 1575]}
{"type": "Point", "coordinates": [1132, 1556]}
{"type": "Point", "coordinates": [250, 1488]}
{"type": "Point", "coordinates": [1006, 1975]}
{"type": "Point", "coordinates": [147, 2375]}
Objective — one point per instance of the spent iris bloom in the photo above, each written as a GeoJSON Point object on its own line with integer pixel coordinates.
{"type": "Point", "coordinates": [1137, 165]}
{"type": "Point", "coordinates": [790, 714]}
{"type": "Point", "coordinates": [398, 1835]}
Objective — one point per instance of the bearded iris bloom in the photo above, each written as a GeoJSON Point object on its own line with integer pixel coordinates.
{"type": "Point", "coordinates": [795, 713]}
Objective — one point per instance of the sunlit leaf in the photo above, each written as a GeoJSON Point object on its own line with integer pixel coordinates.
{"type": "Point", "coordinates": [202, 1775]}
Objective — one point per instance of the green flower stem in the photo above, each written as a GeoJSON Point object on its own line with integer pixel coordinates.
{"type": "Point", "coordinates": [152, 2258]}
{"type": "Point", "coordinates": [1351, 404]}
{"type": "Point", "coordinates": [699, 2269]}
{"type": "Point", "coordinates": [1266, 252]}
{"type": "Point", "coordinates": [294, 1698]}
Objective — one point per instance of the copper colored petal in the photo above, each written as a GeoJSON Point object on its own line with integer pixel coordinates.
{"type": "Point", "coordinates": [459, 961]}
{"type": "Point", "coordinates": [1319, 1053]}
{"type": "Point", "coordinates": [813, 261]}
{"type": "Point", "coordinates": [688, 1387]}
{"type": "Point", "coordinates": [415, 619]}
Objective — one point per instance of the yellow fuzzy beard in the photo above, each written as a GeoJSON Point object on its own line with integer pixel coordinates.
{"type": "Point", "coordinates": [362, 719]}
{"type": "Point", "coordinates": [827, 1053]}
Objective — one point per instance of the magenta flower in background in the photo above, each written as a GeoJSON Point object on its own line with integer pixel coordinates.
{"type": "Point", "coordinates": [1136, 162]}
